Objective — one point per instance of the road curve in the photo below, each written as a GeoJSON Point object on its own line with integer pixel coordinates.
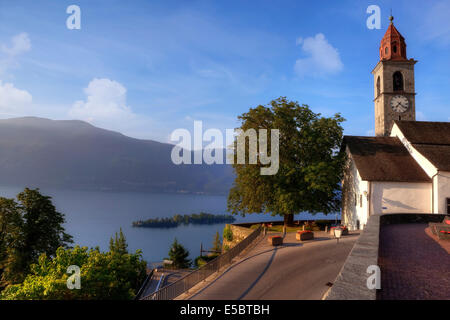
{"type": "Point", "coordinates": [294, 271]}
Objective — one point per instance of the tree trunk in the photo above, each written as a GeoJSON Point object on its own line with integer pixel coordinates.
{"type": "Point", "coordinates": [289, 220]}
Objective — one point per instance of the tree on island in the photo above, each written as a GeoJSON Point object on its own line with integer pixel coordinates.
{"type": "Point", "coordinates": [179, 256]}
{"type": "Point", "coordinates": [29, 227]}
{"type": "Point", "coordinates": [310, 166]}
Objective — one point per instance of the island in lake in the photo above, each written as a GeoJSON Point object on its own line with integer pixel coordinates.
{"type": "Point", "coordinates": [185, 219]}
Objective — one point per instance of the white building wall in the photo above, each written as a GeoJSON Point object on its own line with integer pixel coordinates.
{"type": "Point", "coordinates": [442, 185]}
{"type": "Point", "coordinates": [356, 201]}
{"type": "Point", "coordinates": [400, 197]}
{"type": "Point", "coordinates": [362, 203]}
{"type": "Point", "coordinates": [441, 179]}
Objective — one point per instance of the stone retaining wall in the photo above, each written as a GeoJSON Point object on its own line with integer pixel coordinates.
{"type": "Point", "coordinates": [351, 283]}
{"type": "Point", "coordinates": [281, 222]}
{"type": "Point", "coordinates": [411, 218]}
{"type": "Point", "coordinates": [239, 234]}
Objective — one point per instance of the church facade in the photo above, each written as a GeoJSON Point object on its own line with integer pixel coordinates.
{"type": "Point", "coordinates": [405, 168]}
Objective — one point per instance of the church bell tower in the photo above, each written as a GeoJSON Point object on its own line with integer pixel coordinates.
{"type": "Point", "coordinates": [393, 83]}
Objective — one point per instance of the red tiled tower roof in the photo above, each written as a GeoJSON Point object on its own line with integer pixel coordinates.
{"type": "Point", "coordinates": [393, 45]}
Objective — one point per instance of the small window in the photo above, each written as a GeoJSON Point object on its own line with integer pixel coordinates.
{"type": "Point", "coordinates": [360, 200]}
{"type": "Point", "coordinates": [394, 48]}
{"type": "Point", "coordinates": [386, 50]}
{"type": "Point", "coordinates": [378, 86]}
{"type": "Point", "coordinates": [448, 205]}
{"type": "Point", "coordinates": [397, 79]}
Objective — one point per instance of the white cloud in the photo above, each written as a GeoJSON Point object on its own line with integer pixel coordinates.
{"type": "Point", "coordinates": [106, 106]}
{"type": "Point", "coordinates": [321, 57]}
{"type": "Point", "coordinates": [20, 43]}
{"type": "Point", "coordinates": [420, 116]}
{"type": "Point", "coordinates": [106, 101]}
{"type": "Point", "coordinates": [14, 101]}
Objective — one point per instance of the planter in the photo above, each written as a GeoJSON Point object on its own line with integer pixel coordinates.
{"type": "Point", "coordinates": [275, 240]}
{"type": "Point", "coordinates": [344, 230]}
{"type": "Point", "coordinates": [304, 235]}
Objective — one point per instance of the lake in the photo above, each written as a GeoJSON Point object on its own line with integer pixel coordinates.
{"type": "Point", "coordinates": [93, 217]}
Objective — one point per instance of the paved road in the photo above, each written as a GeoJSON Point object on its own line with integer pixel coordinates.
{"type": "Point", "coordinates": [170, 276]}
{"type": "Point", "coordinates": [294, 271]}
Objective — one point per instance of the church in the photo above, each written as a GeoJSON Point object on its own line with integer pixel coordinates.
{"type": "Point", "coordinates": [405, 168]}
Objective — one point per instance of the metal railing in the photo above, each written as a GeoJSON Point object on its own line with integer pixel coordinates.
{"type": "Point", "coordinates": [187, 282]}
{"type": "Point", "coordinates": [144, 286]}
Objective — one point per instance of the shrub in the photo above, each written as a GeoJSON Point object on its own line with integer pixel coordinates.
{"type": "Point", "coordinates": [227, 233]}
{"type": "Point", "coordinates": [202, 260]}
{"type": "Point", "coordinates": [179, 256]}
{"type": "Point", "coordinates": [322, 223]}
{"type": "Point", "coordinates": [217, 244]}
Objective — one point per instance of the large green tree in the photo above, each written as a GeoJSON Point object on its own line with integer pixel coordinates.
{"type": "Point", "coordinates": [11, 239]}
{"type": "Point", "coordinates": [310, 164]}
{"type": "Point", "coordinates": [30, 226]}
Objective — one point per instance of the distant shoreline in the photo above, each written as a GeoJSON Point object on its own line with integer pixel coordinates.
{"type": "Point", "coordinates": [51, 188]}
{"type": "Point", "coordinates": [199, 219]}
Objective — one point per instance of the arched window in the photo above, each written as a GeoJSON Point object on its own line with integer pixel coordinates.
{"type": "Point", "coordinates": [386, 50]}
{"type": "Point", "coordinates": [398, 81]}
{"type": "Point", "coordinates": [378, 86]}
{"type": "Point", "coordinates": [394, 48]}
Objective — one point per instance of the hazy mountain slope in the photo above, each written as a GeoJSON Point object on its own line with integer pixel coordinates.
{"type": "Point", "coordinates": [75, 154]}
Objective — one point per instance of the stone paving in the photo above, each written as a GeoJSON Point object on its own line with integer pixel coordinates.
{"type": "Point", "coordinates": [413, 265]}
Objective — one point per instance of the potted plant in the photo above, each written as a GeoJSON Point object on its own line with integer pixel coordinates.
{"type": "Point", "coordinates": [304, 235]}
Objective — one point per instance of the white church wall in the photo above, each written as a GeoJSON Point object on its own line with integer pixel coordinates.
{"type": "Point", "coordinates": [362, 204]}
{"type": "Point", "coordinates": [355, 204]}
{"type": "Point", "coordinates": [435, 196]}
{"type": "Point", "coordinates": [443, 191]}
{"type": "Point", "coordinates": [400, 197]}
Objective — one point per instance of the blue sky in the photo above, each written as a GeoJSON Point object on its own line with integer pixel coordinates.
{"type": "Point", "coordinates": [145, 68]}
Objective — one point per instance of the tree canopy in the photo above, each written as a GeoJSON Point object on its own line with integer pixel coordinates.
{"type": "Point", "coordinates": [310, 164]}
{"type": "Point", "coordinates": [103, 275]}
{"type": "Point", "coordinates": [30, 226]}
{"type": "Point", "coordinates": [35, 256]}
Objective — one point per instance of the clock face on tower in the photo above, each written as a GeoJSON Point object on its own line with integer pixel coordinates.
{"type": "Point", "coordinates": [399, 103]}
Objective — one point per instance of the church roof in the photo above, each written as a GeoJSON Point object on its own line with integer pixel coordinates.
{"type": "Point", "coordinates": [384, 159]}
{"type": "Point", "coordinates": [438, 155]}
{"type": "Point", "coordinates": [425, 132]}
{"type": "Point", "coordinates": [431, 139]}
{"type": "Point", "coordinates": [393, 32]}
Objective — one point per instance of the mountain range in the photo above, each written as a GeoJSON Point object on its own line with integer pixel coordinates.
{"type": "Point", "coordinates": [73, 154]}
